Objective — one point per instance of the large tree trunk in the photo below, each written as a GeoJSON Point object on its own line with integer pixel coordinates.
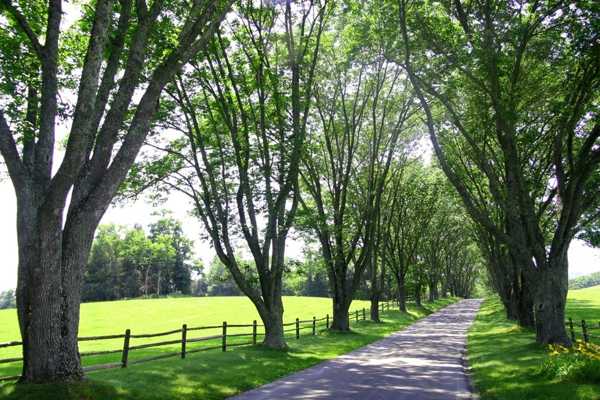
{"type": "Point", "coordinates": [549, 303]}
{"type": "Point", "coordinates": [274, 338]}
{"type": "Point", "coordinates": [524, 301]}
{"type": "Point", "coordinates": [341, 319]}
{"type": "Point", "coordinates": [48, 291]}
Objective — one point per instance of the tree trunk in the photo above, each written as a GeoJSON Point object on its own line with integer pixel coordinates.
{"type": "Point", "coordinates": [418, 295]}
{"type": "Point", "coordinates": [375, 307]}
{"type": "Point", "coordinates": [524, 302]}
{"type": "Point", "coordinates": [341, 320]}
{"type": "Point", "coordinates": [48, 296]}
{"type": "Point", "coordinates": [274, 338]}
{"type": "Point", "coordinates": [402, 296]}
{"type": "Point", "coordinates": [433, 292]}
{"type": "Point", "coordinates": [510, 307]}
{"type": "Point", "coordinates": [549, 303]}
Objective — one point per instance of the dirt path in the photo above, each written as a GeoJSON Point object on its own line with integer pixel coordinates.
{"type": "Point", "coordinates": [422, 362]}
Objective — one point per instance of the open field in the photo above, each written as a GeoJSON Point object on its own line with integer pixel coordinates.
{"type": "Point", "coordinates": [505, 358]}
{"type": "Point", "coordinates": [158, 315]}
{"type": "Point", "coordinates": [216, 375]}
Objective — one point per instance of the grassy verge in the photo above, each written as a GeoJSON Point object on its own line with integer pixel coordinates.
{"type": "Point", "coordinates": [505, 359]}
{"type": "Point", "coordinates": [217, 375]}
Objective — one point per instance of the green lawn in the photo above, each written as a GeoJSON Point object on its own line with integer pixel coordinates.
{"type": "Point", "coordinates": [160, 315]}
{"type": "Point", "coordinates": [213, 374]}
{"type": "Point", "coordinates": [505, 359]}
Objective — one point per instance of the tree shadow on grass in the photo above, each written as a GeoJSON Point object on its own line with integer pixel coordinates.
{"type": "Point", "coordinates": [85, 390]}
{"type": "Point", "coordinates": [506, 360]}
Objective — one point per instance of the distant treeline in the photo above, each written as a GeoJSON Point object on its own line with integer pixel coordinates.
{"type": "Point", "coordinates": [158, 261]}
{"type": "Point", "coordinates": [7, 299]}
{"type": "Point", "coordinates": [585, 281]}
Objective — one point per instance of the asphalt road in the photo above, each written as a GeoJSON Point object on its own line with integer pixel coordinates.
{"type": "Point", "coordinates": [422, 362]}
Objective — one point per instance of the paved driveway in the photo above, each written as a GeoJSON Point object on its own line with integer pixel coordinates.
{"type": "Point", "coordinates": [422, 362]}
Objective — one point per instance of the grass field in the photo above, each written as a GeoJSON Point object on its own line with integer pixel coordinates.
{"type": "Point", "coordinates": [505, 358]}
{"type": "Point", "coordinates": [213, 374]}
{"type": "Point", "coordinates": [160, 315]}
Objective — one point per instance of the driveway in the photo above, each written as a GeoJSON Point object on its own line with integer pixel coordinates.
{"type": "Point", "coordinates": [425, 361]}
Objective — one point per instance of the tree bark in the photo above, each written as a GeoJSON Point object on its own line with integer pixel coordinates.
{"type": "Point", "coordinates": [523, 301]}
{"type": "Point", "coordinates": [341, 319]}
{"type": "Point", "coordinates": [549, 303]}
{"type": "Point", "coordinates": [51, 261]}
{"type": "Point", "coordinates": [418, 295]}
{"type": "Point", "coordinates": [375, 307]}
{"type": "Point", "coordinates": [272, 318]}
{"type": "Point", "coordinates": [402, 296]}
{"type": "Point", "coordinates": [48, 307]}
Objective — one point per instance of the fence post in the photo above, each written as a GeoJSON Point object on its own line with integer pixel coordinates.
{"type": "Point", "coordinates": [183, 339]}
{"type": "Point", "coordinates": [125, 354]}
{"type": "Point", "coordinates": [572, 330]}
{"type": "Point", "coordinates": [224, 343]}
{"type": "Point", "coordinates": [327, 321]}
{"type": "Point", "coordinates": [585, 332]}
{"type": "Point", "coordinates": [297, 328]}
{"type": "Point", "coordinates": [314, 326]}
{"type": "Point", "coordinates": [356, 312]}
{"type": "Point", "coordinates": [364, 314]}
{"type": "Point", "coordinates": [254, 332]}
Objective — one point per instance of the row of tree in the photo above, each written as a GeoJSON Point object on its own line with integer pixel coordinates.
{"type": "Point", "coordinates": [126, 263]}
{"type": "Point", "coordinates": [585, 281]}
{"type": "Point", "coordinates": [305, 116]}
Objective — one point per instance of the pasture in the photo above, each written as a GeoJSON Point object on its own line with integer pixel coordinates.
{"type": "Point", "coordinates": [144, 316]}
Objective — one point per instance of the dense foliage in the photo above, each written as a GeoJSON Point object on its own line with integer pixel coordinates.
{"type": "Point", "coordinates": [126, 263]}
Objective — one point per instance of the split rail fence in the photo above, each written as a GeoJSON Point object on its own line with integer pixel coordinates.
{"type": "Point", "coordinates": [587, 331]}
{"type": "Point", "coordinates": [229, 336]}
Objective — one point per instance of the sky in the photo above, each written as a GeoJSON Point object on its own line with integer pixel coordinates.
{"type": "Point", "coordinates": [582, 259]}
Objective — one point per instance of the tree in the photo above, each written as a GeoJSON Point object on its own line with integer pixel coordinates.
{"type": "Point", "coordinates": [362, 109]}
{"type": "Point", "coordinates": [126, 39]}
{"type": "Point", "coordinates": [526, 155]}
{"type": "Point", "coordinates": [410, 199]}
{"type": "Point", "coordinates": [7, 299]}
{"type": "Point", "coordinates": [177, 270]}
{"type": "Point", "coordinates": [242, 115]}
{"type": "Point", "coordinates": [102, 273]}
{"type": "Point", "coordinates": [219, 280]}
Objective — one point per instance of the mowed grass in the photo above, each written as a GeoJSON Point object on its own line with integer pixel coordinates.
{"type": "Point", "coordinates": [505, 358]}
{"type": "Point", "coordinates": [217, 375]}
{"type": "Point", "coordinates": [144, 316]}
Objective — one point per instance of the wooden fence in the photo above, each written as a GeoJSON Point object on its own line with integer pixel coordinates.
{"type": "Point", "coordinates": [587, 331]}
{"type": "Point", "coordinates": [213, 342]}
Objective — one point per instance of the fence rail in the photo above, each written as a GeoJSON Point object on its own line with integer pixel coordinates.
{"type": "Point", "coordinates": [585, 330]}
{"type": "Point", "coordinates": [296, 327]}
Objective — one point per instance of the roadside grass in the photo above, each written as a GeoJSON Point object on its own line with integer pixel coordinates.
{"type": "Point", "coordinates": [216, 375]}
{"type": "Point", "coordinates": [505, 360]}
